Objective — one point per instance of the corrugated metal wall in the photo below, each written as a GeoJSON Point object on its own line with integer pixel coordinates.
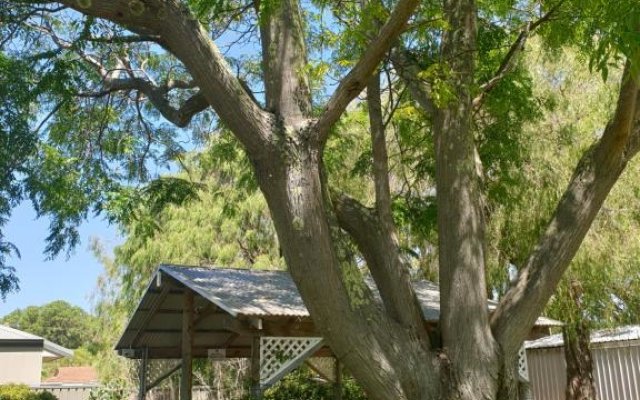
{"type": "Point", "coordinates": [68, 393]}
{"type": "Point", "coordinates": [616, 371]}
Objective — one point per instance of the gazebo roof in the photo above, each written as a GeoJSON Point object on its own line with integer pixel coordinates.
{"type": "Point", "coordinates": [230, 306]}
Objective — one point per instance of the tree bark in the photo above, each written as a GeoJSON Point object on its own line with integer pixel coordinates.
{"type": "Point", "coordinates": [383, 356]}
{"type": "Point", "coordinates": [284, 58]}
{"type": "Point", "coordinates": [577, 351]}
{"type": "Point", "coordinates": [469, 346]}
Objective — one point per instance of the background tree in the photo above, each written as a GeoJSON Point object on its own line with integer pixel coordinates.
{"type": "Point", "coordinates": [118, 66]}
{"type": "Point", "coordinates": [63, 324]}
{"type": "Point", "coordinates": [58, 321]}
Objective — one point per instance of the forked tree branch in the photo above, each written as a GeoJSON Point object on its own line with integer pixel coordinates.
{"type": "Point", "coordinates": [157, 95]}
{"type": "Point", "coordinates": [384, 260]}
{"type": "Point", "coordinates": [180, 33]}
{"type": "Point", "coordinates": [510, 59]}
{"type": "Point", "coordinates": [595, 175]}
{"type": "Point", "coordinates": [356, 80]}
{"type": "Point", "coordinates": [420, 89]}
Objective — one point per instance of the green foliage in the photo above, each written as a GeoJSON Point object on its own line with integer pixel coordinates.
{"type": "Point", "coordinates": [105, 393]}
{"type": "Point", "coordinates": [17, 143]}
{"type": "Point", "coordinates": [58, 322]}
{"type": "Point", "coordinates": [301, 384]}
{"type": "Point", "coordinates": [605, 267]}
{"type": "Point", "coordinates": [604, 31]}
{"type": "Point", "coordinates": [23, 392]}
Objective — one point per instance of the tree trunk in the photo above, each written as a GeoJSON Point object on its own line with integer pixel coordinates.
{"type": "Point", "coordinates": [468, 343]}
{"type": "Point", "coordinates": [580, 384]}
{"type": "Point", "coordinates": [577, 351]}
{"type": "Point", "coordinates": [384, 357]}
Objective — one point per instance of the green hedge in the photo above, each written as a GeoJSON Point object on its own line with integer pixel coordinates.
{"type": "Point", "coordinates": [23, 392]}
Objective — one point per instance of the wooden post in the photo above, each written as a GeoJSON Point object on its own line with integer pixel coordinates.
{"type": "Point", "coordinates": [256, 389]}
{"type": "Point", "coordinates": [187, 346]}
{"type": "Point", "coordinates": [337, 385]}
{"type": "Point", "coordinates": [142, 388]}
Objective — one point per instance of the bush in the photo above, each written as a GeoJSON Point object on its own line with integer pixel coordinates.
{"type": "Point", "coordinates": [301, 385]}
{"type": "Point", "coordinates": [106, 393]}
{"type": "Point", "coordinates": [23, 392]}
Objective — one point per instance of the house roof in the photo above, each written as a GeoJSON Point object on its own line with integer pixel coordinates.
{"type": "Point", "coordinates": [10, 337]}
{"type": "Point", "coordinates": [620, 334]}
{"type": "Point", "coordinates": [74, 375]}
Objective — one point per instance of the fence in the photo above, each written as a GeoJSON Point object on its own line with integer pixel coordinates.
{"type": "Point", "coordinates": [76, 392]}
{"type": "Point", "coordinates": [83, 392]}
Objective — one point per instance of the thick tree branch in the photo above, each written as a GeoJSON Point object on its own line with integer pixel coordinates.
{"type": "Point", "coordinates": [408, 70]}
{"type": "Point", "coordinates": [157, 96]}
{"type": "Point", "coordinates": [379, 152]}
{"type": "Point", "coordinates": [384, 260]}
{"type": "Point", "coordinates": [284, 56]}
{"type": "Point", "coordinates": [595, 175]}
{"type": "Point", "coordinates": [464, 318]}
{"type": "Point", "coordinates": [357, 79]}
{"type": "Point", "coordinates": [125, 39]}
{"type": "Point", "coordinates": [181, 33]}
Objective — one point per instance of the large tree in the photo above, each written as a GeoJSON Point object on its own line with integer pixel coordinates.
{"type": "Point", "coordinates": [110, 69]}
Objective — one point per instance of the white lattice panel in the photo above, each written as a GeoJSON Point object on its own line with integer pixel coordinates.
{"type": "Point", "coordinates": [279, 355]}
{"type": "Point", "coordinates": [523, 367]}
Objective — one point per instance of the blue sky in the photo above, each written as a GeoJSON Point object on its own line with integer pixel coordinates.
{"type": "Point", "coordinates": [42, 281]}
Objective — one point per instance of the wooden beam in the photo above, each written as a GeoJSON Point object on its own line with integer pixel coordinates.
{"type": "Point", "coordinates": [215, 329]}
{"type": "Point", "coordinates": [187, 347]}
{"type": "Point", "coordinates": [231, 324]}
{"type": "Point", "coordinates": [155, 306]}
{"type": "Point", "coordinates": [256, 389]}
{"type": "Point", "coordinates": [164, 376]}
{"type": "Point", "coordinates": [161, 310]}
{"type": "Point", "coordinates": [142, 389]}
{"type": "Point", "coordinates": [337, 384]}
{"type": "Point", "coordinates": [230, 340]}
{"type": "Point", "coordinates": [173, 290]}
{"type": "Point", "coordinates": [235, 351]}
{"type": "Point", "coordinates": [198, 352]}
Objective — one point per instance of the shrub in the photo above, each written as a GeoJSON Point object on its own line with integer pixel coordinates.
{"type": "Point", "coordinates": [301, 385]}
{"type": "Point", "coordinates": [23, 392]}
{"type": "Point", "coordinates": [106, 393]}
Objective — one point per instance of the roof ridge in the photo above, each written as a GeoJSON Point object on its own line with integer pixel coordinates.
{"type": "Point", "coordinates": [215, 267]}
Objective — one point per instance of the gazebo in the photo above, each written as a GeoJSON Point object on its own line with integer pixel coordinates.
{"type": "Point", "coordinates": [219, 313]}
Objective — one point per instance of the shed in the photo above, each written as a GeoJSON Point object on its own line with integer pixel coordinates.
{"type": "Point", "coordinates": [194, 312]}
{"type": "Point", "coordinates": [616, 364]}
{"type": "Point", "coordinates": [22, 354]}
